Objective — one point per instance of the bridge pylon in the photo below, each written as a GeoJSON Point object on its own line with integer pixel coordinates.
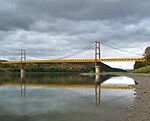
{"type": "Point", "coordinates": [97, 57]}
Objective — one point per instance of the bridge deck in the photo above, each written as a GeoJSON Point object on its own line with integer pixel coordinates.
{"type": "Point", "coordinates": [76, 60]}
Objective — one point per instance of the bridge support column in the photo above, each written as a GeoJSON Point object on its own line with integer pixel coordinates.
{"type": "Point", "coordinates": [97, 69]}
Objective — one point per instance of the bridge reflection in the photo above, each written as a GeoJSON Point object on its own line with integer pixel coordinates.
{"type": "Point", "coordinates": [97, 89]}
{"type": "Point", "coordinates": [23, 85]}
{"type": "Point", "coordinates": [97, 85]}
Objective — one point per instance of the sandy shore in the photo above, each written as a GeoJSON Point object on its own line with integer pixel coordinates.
{"type": "Point", "coordinates": [140, 110]}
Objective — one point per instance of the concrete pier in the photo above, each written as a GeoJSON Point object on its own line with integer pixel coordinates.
{"type": "Point", "coordinates": [97, 69]}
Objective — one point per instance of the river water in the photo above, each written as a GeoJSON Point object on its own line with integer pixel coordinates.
{"type": "Point", "coordinates": [64, 97]}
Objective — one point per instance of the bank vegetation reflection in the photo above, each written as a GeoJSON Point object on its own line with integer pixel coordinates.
{"type": "Point", "coordinates": [97, 84]}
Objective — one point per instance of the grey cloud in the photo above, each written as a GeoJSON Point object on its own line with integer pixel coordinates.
{"type": "Point", "coordinates": [51, 28]}
{"type": "Point", "coordinates": [86, 9]}
{"type": "Point", "coordinates": [23, 13]}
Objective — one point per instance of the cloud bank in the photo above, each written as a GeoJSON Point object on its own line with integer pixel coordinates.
{"type": "Point", "coordinates": [49, 29]}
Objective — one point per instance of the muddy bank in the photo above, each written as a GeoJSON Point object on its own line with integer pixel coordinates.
{"type": "Point", "coordinates": [140, 110]}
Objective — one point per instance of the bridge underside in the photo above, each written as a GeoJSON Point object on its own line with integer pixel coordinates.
{"type": "Point", "coordinates": [76, 60]}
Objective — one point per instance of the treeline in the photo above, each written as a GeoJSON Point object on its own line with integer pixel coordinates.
{"type": "Point", "coordinates": [59, 67]}
{"type": "Point", "coordinates": [143, 67]}
{"type": "Point", "coordinates": [55, 67]}
{"type": "Point", "coordinates": [147, 62]}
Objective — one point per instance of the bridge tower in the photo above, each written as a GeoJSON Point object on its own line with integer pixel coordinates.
{"type": "Point", "coordinates": [97, 57]}
{"type": "Point", "coordinates": [23, 63]}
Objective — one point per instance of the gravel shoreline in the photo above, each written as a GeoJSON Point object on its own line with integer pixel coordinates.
{"type": "Point", "coordinates": [140, 110]}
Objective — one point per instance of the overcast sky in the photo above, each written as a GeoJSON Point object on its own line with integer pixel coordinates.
{"type": "Point", "coordinates": [49, 29]}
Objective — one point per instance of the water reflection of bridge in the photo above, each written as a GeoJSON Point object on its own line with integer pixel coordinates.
{"type": "Point", "coordinates": [81, 86]}
{"type": "Point", "coordinates": [97, 85]}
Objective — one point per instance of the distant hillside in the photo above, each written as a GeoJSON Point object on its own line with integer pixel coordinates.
{"type": "Point", "coordinates": [60, 67]}
{"type": "Point", "coordinates": [103, 67]}
{"type": "Point", "coordinates": [3, 60]}
{"type": "Point", "coordinates": [107, 68]}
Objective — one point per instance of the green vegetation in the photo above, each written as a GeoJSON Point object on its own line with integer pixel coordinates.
{"type": "Point", "coordinates": [58, 67]}
{"type": "Point", "coordinates": [142, 70]}
{"type": "Point", "coordinates": [143, 67]}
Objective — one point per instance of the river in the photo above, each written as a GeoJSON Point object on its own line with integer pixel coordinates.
{"type": "Point", "coordinates": [64, 97]}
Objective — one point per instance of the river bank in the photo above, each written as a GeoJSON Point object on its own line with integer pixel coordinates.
{"type": "Point", "coordinates": [140, 110]}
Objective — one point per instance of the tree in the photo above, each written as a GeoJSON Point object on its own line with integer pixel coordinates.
{"type": "Point", "coordinates": [147, 52]}
{"type": "Point", "coordinates": [147, 55]}
{"type": "Point", "coordinates": [147, 62]}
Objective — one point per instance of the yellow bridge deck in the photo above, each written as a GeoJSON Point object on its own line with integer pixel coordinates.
{"type": "Point", "coordinates": [76, 60]}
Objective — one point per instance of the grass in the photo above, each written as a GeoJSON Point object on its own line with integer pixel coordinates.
{"type": "Point", "coordinates": [143, 70]}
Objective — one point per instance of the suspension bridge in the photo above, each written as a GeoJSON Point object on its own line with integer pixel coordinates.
{"type": "Point", "coordinates": [63, 59]}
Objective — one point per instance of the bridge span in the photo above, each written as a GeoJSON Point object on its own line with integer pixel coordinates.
{"type": "Point", "coordinates": [76, 60]}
